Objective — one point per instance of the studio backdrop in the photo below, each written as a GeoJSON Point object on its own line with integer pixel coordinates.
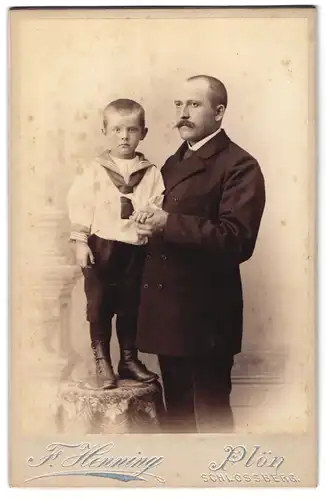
{"type": "Point", "coordinates": [65, 70]}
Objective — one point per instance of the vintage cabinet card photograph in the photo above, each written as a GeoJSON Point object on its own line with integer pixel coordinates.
{"type": "Point", "coordinates": [162, 220]}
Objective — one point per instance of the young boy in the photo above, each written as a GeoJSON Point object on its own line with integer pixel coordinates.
{"type": "Point", "coordinates": [108, 248]}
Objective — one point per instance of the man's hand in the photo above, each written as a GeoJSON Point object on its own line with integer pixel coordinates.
{"type": "Point", "coordinates": [83, 254]}
{"type": "Point", "coordinates": [153, 224]}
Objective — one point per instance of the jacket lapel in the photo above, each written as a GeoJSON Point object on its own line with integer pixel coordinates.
{"type": "Point", "coordinates": [179, 169]}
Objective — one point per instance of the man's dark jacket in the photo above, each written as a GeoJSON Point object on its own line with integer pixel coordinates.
{"type": "Point", "coordinates": [191, 295]}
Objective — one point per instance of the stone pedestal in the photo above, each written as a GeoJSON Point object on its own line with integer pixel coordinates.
{"type": "Point", "coordinates": [44, 348]}
{"type": "Point", "coordinates": [132, 407]}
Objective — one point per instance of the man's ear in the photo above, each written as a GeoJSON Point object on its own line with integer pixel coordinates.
{"type": "Point", "coordinates": [220, 110]}
{"type": "Point", "coordinates": [145, 130]}
{"type": "Point", "coordinates": [104, 130]}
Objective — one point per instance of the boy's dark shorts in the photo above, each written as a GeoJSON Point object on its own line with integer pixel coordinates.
{"type": "Point", "coordinates": [112, 284]}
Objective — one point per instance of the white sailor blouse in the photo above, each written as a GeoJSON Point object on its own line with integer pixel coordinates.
{"type": "Point", "coordinates": [100, 200]}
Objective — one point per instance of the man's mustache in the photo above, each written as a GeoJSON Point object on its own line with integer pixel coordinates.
{"type": "Point", "coordinates": [185, 123]}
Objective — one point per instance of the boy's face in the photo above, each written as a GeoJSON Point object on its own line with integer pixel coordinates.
{"type": "Point", "coordinates": [124, 131]}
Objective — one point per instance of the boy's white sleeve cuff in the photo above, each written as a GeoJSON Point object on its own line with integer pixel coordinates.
{"type": "Point", "coordinates": [78, 236]}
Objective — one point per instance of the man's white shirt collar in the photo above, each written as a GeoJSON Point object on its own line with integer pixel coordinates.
{"type": "Point", "coordinates": [199, 144]}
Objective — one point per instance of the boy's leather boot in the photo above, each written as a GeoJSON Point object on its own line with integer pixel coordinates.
{"type": "Point", "coordinates": [129, 365]}
{"type": "Point", "coordinates": [104, 372]}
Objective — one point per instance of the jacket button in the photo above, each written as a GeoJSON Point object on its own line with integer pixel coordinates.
{"type": "Point", "coordinates": [146, 285]}
{"type": "Point", "coordinates": [164, 257]}
{"type": "Point", "coordinates": [148, 256]}
{"type": "Point", "coordinates": [160, 286]}
{"type": "Point", "coordinates": [175, 199]}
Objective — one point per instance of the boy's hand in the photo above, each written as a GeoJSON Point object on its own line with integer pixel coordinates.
{"type": "Point", "coordinates": [83, 254]}
{"type": "Point", "coordinates": [141, 216]}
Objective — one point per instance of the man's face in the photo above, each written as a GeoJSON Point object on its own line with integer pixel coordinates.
{"type": "Point", "coordinates": [124, 131]}
{"type": "Point", "coordinates": [196, 115]}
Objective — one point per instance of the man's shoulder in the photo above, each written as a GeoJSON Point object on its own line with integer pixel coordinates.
{"type": "Point", "coordinates": [238, 154]}
{"type": "Point", "coordinates": [172, 158]}
{"type": "Point", "coordinates": [239, 161]}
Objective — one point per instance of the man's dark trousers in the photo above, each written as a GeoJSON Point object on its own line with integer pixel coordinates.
{"type": "Point", "coordinates": [197, 392]}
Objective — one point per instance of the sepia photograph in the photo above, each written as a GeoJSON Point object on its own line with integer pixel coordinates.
{"type": "Point", "coordinates": [162, 202]}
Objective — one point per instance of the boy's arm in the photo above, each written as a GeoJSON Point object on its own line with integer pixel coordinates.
{"type": "Point", "coordinates": [155, 200]}
{"type": "Point", "coordinates": [81, 202]}
{"type": "Point", "coordinates": [157, 192]}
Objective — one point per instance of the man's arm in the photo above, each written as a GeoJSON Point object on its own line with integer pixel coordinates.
{"type": "Point", "coordinates": [240, 211]}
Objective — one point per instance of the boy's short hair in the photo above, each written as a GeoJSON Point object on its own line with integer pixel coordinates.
{"type": "Point", "coordinates": [125, 106]}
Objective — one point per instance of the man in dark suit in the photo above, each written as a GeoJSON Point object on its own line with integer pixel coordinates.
{"type": "Point", "coordinates": [191, 304]}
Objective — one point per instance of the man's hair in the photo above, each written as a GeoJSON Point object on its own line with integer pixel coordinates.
{"type": "Point", "coordinates": [217, 89]}
{"type": "Point", "coordinates": [125, 106]}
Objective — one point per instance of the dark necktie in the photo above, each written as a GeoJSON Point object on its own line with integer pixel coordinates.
{"type": "Point", "coordinates": [126, 188]}
{"type": "Point", "coordinates": [189, 152]}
